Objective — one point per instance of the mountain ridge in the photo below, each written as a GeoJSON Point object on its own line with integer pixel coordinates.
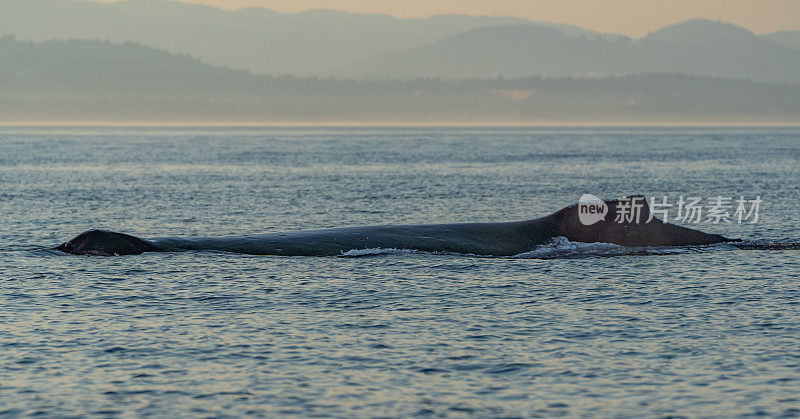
{"type": "Point", "coordinates": [99, 81]}
{"type": "Point", "coordinates": [267, 42]}
{"type": "Point", "coordinates": [326, 43]}
{"type": "Point", "coordinates": [525, 50]}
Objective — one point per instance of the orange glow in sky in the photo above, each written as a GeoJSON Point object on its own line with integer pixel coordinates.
{"type": "Point", "coordinates": [630, 17]}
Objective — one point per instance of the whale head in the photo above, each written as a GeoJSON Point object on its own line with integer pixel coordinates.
{"type": "Point", "coordinates": [106, 243]}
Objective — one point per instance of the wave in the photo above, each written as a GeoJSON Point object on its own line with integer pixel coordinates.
{"type": "Point", "coordinates": [766, 245]}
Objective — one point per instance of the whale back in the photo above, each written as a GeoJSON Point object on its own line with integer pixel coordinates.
{"type": "Point", "coordinates": [628, 222]}
{"type": "Point", "coordinates": [106, 243]}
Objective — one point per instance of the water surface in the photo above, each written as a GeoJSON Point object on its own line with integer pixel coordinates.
{"type": "Point", "coordinates": [704, 331]}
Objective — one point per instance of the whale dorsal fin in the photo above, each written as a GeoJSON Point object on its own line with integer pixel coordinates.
{"type": "Point", "coordinates": [624, 221]}
{"type": "Point", "coordinates": [630, 209]}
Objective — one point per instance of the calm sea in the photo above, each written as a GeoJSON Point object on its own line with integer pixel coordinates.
{"type": "Point", "coordinates": [696, 332]}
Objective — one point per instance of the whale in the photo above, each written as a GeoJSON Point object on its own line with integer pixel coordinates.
{"type": "Point", "coordinates": [615, 225]}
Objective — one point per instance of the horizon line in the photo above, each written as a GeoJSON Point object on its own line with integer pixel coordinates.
{"type": "Point", "coordinates": [417, 124]}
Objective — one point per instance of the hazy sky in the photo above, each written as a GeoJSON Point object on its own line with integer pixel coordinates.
{"type": "Point", "coordinates": [630, 17]}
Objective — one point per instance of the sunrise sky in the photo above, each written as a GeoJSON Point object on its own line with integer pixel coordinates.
{"type": "Point", "coordinates": [630, 17]}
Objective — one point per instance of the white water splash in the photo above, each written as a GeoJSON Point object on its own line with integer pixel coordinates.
{"type": "Point", "coordinates": [557, 248]}
{"type": "Point", "coordinates": [562, 248]}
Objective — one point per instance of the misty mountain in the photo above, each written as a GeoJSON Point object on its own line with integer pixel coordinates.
{"type": "Point", "coordinates": [789, 39]}
{"type": "Point", "coordinates": [319, 43]}
{"type": "Point", "coordinates": [93, 70]}
{"type": "Point", "coordinates": [96, 81]}
{"type": "Point", "coordinates": [330, 43]}
{"type": "Point", "coordinates": [697, 47]}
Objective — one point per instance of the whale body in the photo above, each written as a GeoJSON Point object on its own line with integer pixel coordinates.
{"type": "Point", "coordinates": [487, 239]}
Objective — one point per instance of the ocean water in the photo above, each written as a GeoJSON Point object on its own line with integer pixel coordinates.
{"type": "Point", "coordinates": [565, 330]}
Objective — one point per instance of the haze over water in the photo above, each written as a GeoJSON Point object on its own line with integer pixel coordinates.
{"type": "Point", "coordinates": [704, 331]}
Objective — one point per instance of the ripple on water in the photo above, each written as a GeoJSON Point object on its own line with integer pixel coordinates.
{"type": "Point", "coordinates": [564, 332]}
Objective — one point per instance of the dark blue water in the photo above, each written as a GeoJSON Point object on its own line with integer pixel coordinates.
{"type": "Point", "coordinates": [697, 332]}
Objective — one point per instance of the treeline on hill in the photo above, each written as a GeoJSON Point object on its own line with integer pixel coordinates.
{"type": "Point", "coordinates": [94, 81]}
